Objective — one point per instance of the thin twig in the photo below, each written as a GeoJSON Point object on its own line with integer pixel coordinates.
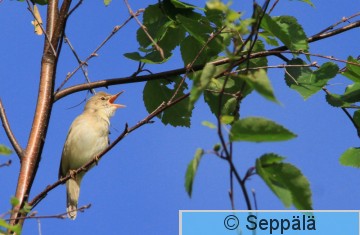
{"type": "Point", "coordinates": [255, 31]}
{"type": "Point", "coordinates": [273, 6]}
{"type": "Point", "coordinates": [328, 57]}
{"type": "Point", "coordinates": [79, 61]}
{"type": "Point", "coordinates": [8, 163]}
{"type": "Point", "coordinates": [18, 149]}
{"type": "Point", "coordinates": [41, 27]}
{"type": "Point", "coordinates": [343, 20]}
{"type": "Point", "coordinates": [253, 192]}
{"type": "Point", "coordinates": [143, 27]}
{"type": "Point", "coordinates": [231, 191]}
{"type": "Point", "coordinates": [94, 53]}
{"type": "Point", "coordinates": [58, 216]}
{"type": "Point", "coordinates": [279, 66]}
{"type": "Point", "coordinates": [74, 8]}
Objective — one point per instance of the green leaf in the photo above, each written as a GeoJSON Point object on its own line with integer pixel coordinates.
{"type": "Point", "coordinates": [296, 35]}
{"type": "Point", "coordinates": [191, 171]}
{"type": "Point", "coordinates": [308, 82]}
{"type": "Point", "coordinates": [15, 228]}
{"type": "Point", "coordinates": [356, 117]}
{"type": "Point", "coordinates": [351, 157]}
{"type": "Point", "coordinates": [306, 1]}
{"type": "Point", "coordinates": [14, 201]}
{"type": "Point", "coordinates": [287, 30]}
{"type": "Point", "coordinates": [256, 129]}
{"type": "Point", "coordinates": [352, 93]}
{"type": "Point", "coordinates": [200, 82]}
{"type": "Point", "coordinates": [259, 81]}
{"type": "Point", "coordinates": [269, 38]}
{"type": "Point", "coordinates": [40, 2]}
{"type": "Point", "coordinates": [26, 208]}
{"type": "Point", "coordinates": [190, 49]}
{"type": "Point", "coordinates": [165, 33]}
{"type": "Point", "coordinates": [229, 107]}
{"type": "Point", "coordinates": [179, 4]}
{"type": "Point", "coordinates": [198, 29]}
{"type": "Point", "coordinates": [226, 119]}
{"type": "Point", "coordinates": [215, 12]}
{"type": "Point", "coordinates": [233, 86]}
{"type": "Point", "coordinates": [285, 180]}
{"type": "Point", "coordinates": [352, 69]}
{"type": "Point", "coordinates": [209, 124]}
{"type": "Point", "coordinates": [158, 91]}
{"type": "Point", "coordinates": [256, 62]}
{"type": "Point", "coordinates": [151, 58]}
{"type": "Point", "coordinates": [336, 100]}
{"type": "Point", "coordinates": [5, 150]}
{"type": "Point", "coordinates": [154, 15]}
{"type": "Point", "coordinates": [107, 2]}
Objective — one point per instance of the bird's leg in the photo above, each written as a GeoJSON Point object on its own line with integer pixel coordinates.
{"type": "Point", "coordinates": [72, 174]}
{"type": "Point", "coordinates": [96, 159]}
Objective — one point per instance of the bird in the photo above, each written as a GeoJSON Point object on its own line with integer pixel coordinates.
{"type": "Point", "coordinates": [87, 137]}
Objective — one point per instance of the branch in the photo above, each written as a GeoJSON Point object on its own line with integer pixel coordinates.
{"type": "Point", "coordinates": [93, 54]}
{"type": "Point", "coordinates": [343, 20]}
{"type": "Point", "coordinates": [8, 163]}
{"type": "Point", "coordinates": [86, 166]}
{"type": "Point", "coordinates": [58, 216]}
{"type": "Point", "coordinates": [30, 161]}
{"type": "Point", "coordinates": [78, 60]}
{"type": "Point", "coordinates": [179, 71]}
{"type": "Point", "coordinates": [127, 80]}
{"type": "Point", "coordinates": [18, 149]}
{"type": "Point", "coordinates": [143, 27]}
{"type": "Point", "coordinates": [334, 32]}
{"type": "Point", "coordinates": [74, 8]}
{"type": "Point", "coordinates": [40, 25]}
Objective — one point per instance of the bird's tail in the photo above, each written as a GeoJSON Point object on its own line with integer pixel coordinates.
{"type": "Point", "coordinates": [72, 196]}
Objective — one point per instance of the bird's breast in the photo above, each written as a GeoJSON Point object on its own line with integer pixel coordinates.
{"type": "Point", "coordinates": [88, 136]}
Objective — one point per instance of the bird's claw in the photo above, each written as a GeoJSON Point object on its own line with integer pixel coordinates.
{"type": "Point", "coordinates": [72, 174]}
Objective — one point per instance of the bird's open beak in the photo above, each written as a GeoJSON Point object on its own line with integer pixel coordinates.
{"type": "Point", "coordinates": [114, 97]}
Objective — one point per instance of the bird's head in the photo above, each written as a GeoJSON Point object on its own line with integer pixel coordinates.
{"type": "Point", "coordinates": [104, 103]}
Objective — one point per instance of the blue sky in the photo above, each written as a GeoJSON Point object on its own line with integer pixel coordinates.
{"type": "Point", "coordinates": [138, 187]}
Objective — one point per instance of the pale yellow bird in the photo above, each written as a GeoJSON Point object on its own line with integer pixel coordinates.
{"type": "Point", "coordinates": [87, 137]}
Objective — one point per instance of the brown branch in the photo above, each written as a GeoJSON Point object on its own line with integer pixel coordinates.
{"type": "Point", "coordinates": [31, 159]}
{"type": "Point", "coordinates": [74, 8]}
{"type": "Point", "coordinates": [67, 41]}
{"type": "Point", "coordinates": [127, 80]}
{"type": "Point", "coordinates": [18, 149]}
{"type": "Point", "coordinates": [143, 27]}
{"type": "Point", "coordinates": [125, 132]}
{"type": "Point", "coordinates": [58, 216]}
{"type": "Point", "coordinates": [343, 20]}
{"type": "Point", "coordinates": [93, 54]}
{"type": "Point", "coordinates": [8, 163]}
{"type": "Point", "coordinates": [334, 32]}
{"type": "Point", "coordinates": [179, 71]}
{"type": "Point", "coordinates": [328, 57]}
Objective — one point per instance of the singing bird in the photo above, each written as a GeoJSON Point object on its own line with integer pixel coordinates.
{"type": "Point", "coordinates": [87, 137]}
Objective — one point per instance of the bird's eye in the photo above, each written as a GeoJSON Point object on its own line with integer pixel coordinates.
{"type": "Point", "coordinates": [102, 98]}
